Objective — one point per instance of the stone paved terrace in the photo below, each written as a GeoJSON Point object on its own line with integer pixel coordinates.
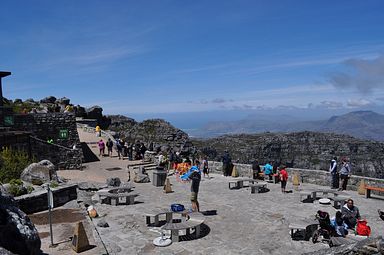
{"type": "Point", "coordinates": [245, 223]}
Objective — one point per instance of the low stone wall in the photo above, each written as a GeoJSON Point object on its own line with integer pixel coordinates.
{"type": "Point", "coordinates": [318, 177]}
{"type": "Point", "coordinates": [38, 201]}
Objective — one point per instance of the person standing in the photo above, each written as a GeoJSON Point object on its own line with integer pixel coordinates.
{"type": "Point", "coordinates": [205, 167]}
{"type": "Point", "coordinates": [119, 147]}
{"type": "Point", "coordinates": [283, 174]}
{"type": "Point", "coordinates": [101, 145]}
{"type": "Point", "coordinates": [345, 172]}
{"type": "Point", "coordinates": [195, 178]}
{"type": "Point", "coordinates": [109, 147]}
{"type": "Point", "coordinates": [256, 169]}
{"type": "Point", "coordinates": [98, 131]}
{"type": "Point", "coordinates": [268, 170]}
{"type": "Point", "coordinates": [227, 162]}
{"type": "Point", "coordinates": [334, 174]}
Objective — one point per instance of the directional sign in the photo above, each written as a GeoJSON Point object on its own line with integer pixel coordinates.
{"type": "Point", "coordinates": [63, 134]}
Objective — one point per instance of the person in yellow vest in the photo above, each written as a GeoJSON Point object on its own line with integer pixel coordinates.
{"type": "Point", "coordinates": [98, 130]}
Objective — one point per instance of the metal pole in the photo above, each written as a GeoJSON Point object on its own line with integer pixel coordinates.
{"type": "Point", "coordinates": [49, 213]}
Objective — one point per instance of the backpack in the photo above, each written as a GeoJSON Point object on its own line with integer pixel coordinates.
{"type": "Point", "coordinates": [177, 207]}
{"type": "Point", "coordinates": [362, 228]}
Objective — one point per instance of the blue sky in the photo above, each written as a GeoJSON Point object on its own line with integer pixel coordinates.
{"type": "Point", "coordinates": [153, 58]}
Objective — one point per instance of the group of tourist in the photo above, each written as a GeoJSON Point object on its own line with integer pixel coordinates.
{"type": "Point", "coordinates": [123, 149]}
{"type": "Point", "coordinates": [343, 174]}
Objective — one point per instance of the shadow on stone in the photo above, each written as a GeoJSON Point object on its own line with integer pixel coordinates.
{"type": "Point", "coordinates": [89, 156]}
{"type": "Point", "coordinates": [209, 212]}
{"type": "Point", "coordinates": [204, 231]}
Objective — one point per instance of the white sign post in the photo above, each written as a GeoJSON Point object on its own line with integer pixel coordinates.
{"type": "Point", "coordinates": [50, 207]}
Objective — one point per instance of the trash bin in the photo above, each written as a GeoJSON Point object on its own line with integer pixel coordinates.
{"type": "Point", "coordinates": [159, 176]}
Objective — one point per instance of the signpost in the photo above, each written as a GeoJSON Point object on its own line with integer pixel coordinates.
{"type": "Point", "coordinates": [8, 120]}
{"type": "Point", "coordinates": [63, 134]}
{"type": "Point", "coordinates": [50, 207]}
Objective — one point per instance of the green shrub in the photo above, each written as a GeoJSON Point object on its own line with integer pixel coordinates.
{"type": "Point", "coordinates": [12, 163]}
{"type": "Point", "coordinates": [30, 189]}
{"type": "Point", "coordinates": [16, 182]}
{"type": "Point", "coordinates": [54, 184]}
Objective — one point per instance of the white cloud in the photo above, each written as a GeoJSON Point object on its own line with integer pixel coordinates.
{"type": "Point", "coordinates": [353, 103]}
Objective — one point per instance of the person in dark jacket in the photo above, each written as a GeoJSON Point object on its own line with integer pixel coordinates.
{"type": "Point", "coordinates": [227, 164]}
{"type": "Point", "coordinates": [334, 173]}
{"type": "Point", "coordinates": [256, 169]}
{"type": "Point", "coordinates": [350, 214]}
{"type": "Point", "coordinates": [195, 178]}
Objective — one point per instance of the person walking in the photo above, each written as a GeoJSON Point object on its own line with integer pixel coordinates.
{"type": "Point", "coordinates": [334, 174]}
{"type": "Point", "coordinates": [101, 145]}
{"type": "Point", "coordinates": [283, 174]}
{"type": "Point", "coordinates": [109, 147]}
{"type": "Point", "coordinates": [119, 147]}
{"type": "Point", "coordinates": [345, 172]}
{"type": "Point", "coordinates": [98, 131]}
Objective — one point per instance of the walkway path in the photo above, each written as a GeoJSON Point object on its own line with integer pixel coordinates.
{"type": "Point", "coordinates": [244, 223]}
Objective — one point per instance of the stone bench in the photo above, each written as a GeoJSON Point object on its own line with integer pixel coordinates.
{"type": "Point", "coordinates": [156, 214]}
{"type": "Point", "coordinates": [257, 187]}
{"type": "Point", "coordinates": [325, 192]}
{"type": "Point", "coordinates": [236, 184]}
{"type": "Point", "coordinates": [240, 183]}
{"type": "Point", "coordinates": [123, 198]}
{"type": "Point", "coordinates": [369, 188]}
{"type": "Point", "coordinates": [303, 229]}
{"type": "Point", "coordinates": [338, 202]}
{"type": "Point", "coordinates": [192, 221]}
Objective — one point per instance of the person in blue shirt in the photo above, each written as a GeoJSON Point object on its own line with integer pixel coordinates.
{"type": "Point", "coordinates": [268, 170]}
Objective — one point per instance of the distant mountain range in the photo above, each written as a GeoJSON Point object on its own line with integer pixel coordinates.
{"type": "Point", "coordinates": [361, 124]}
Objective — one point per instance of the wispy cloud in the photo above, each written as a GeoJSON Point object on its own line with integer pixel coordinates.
{"type": "Point", "coordinates": [354, 103]}
{"type": "Point", "coordinates": [331, 104]}
{"type": "Point", "coordinates": [364, 75]}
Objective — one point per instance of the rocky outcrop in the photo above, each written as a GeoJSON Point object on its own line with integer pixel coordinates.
{"type": "Point", "coordinates": [17, 232]}
{"type": "Point", "coordinates": [365, 247]}
{"type": "Point", "coordinates": [306, 150]}
{"type": "Point", "coordinates": [39, 173]}
{"type": "Point", "coordinates": [156, 134]}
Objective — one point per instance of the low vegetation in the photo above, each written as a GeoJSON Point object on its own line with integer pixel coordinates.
{"type": "Point", "coordinates": [12, 163]}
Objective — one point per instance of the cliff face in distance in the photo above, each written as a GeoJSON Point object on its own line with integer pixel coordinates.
{"type": "Point", "coordinates": [160, 133]}
{"type": "Point", "coordinates": [308, 150]}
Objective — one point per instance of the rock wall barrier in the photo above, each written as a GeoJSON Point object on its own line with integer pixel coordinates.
{"type": "Point", "coordinates": [319, 177]}
{"type": "Point", "coordinates": [38, 201]}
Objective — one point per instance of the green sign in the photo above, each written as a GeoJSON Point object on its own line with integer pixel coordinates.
{"type": "Point", "coordinates": [8, 120]}
{"type": "Point", "coordinates": [63, 134]}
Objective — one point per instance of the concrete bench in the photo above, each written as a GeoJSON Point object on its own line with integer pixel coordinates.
{"type": "Point", "coordinates": [192, 221]}
{"type": "Point", "coordinates": [326, 192]}
{"type": "Point", "coordinates": [303, 229]}
{"type": "Point", "coordinates": [257, 187]}
{"type": "Point", "coordinates": [123, 198]}
{"type": "Point", "coordinates": [369, 188]}
{"type": "Point", "coordinates": [156, 214]}
{"type": "Point", "coordinates": [338, 202]}
{"type": "Point", "coordinates": [236, 184]}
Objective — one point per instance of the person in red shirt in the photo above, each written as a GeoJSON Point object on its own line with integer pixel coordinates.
{"type": "Point", "coordinates": [283, 178]}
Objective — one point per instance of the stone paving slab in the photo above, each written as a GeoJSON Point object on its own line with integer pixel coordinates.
{"type": "Point", "coordinates": [245, 223]}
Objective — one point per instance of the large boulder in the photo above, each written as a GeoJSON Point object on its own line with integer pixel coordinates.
{"type": "Point", "coordinates": [17, 233]}
{"type": "Point", "coordinates": [95, 112]}
{"type": "Point", "coordinates": [39, 173]}
{"type": "Point", "coordinates": [63, 101]}
{"type": "Point", "coordinates": [48, 100]}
